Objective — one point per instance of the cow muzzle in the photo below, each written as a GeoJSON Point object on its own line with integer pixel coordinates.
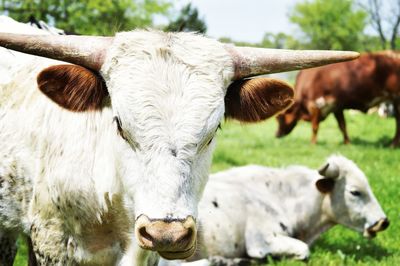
{"type": "Point", "coordinates": [172, 238]}
{"type": "Point", "coordinates": [280, 134]}
{"type": "Point", "coordinates": [379, 226]}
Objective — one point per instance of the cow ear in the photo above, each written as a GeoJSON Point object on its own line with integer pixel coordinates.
{"type": "Point", "coordinates": [253, 100]}
{"type": "Point", "coordinates": [73, 87]}
{"type": "Point", "coordinates": [330, 172]}
{"type": "Point", "coordinates": [325, 185]}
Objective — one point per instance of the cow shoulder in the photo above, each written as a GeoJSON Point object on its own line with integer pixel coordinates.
{"type": "Point", "coordinates": [73, 87]}
{"type": "Point", "coordinates": [253, 100]}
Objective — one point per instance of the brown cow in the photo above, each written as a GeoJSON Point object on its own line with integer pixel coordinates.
{"type": "Point", "coordinates": [359, 84]}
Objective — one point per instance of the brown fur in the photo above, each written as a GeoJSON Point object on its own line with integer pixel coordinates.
{"type": "Point", "coordinates": [253, 100]}
{"type": "Point", "coordinates": [73, 87]}
{"type": "Point", "coordinates": [358, 84]}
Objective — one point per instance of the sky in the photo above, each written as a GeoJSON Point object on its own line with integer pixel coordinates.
{"type": "Point", "coordinates": [244, 20]}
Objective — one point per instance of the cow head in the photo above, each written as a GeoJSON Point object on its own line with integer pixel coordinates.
{"type": "Point", "coordinates": [350, 198]}
{"type": "Point", "coordinates": [168, 94]}
{"type": "Point", "coordinates": [287, 120]}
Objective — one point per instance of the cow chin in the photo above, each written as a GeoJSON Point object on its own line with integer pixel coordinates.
{"type": "Point", "coordinates": [369, 234]}
{"type": "Point", "coordinates": [172, 255]}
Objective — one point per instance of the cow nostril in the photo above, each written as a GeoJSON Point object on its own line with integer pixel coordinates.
{"type": "Point", "coordinates": [144, 234]}
{"type": "Point", "coordinates": [385, 224]}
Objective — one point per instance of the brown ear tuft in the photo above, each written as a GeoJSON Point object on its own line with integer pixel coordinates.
{"type": "Point", "coordinates": [73, 87]}
{"type": "Point", "coordinates": [253, 100]}
{"type": "Point", "coordinates": [325, 185]}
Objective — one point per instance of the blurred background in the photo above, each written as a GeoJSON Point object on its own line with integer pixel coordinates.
{"type": "Point", "coordinates": [362, 25]}
{"type": "Point", "coordinates": [359, 25]}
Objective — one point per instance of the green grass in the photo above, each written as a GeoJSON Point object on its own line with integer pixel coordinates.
{"type": "Point", "coordinates": [370, 135]}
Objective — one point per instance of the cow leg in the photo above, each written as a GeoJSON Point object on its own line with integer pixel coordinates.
{"type": "Point", "coordinates": [31, 255]}
{"type": "Point", "coordinates": [49, 243]}
{"type": "Point", "coordinates": [342, 125]}
{"type": "Point", "coordinates": [221, 261]}
{"type": "Point", "coordinates": [396, 108]}
{"type": "Point", "coordinates": [284, 246]}
{"type": "Point", "coordinates": [8, 248]}
{"type": "Point", "coordinates": [260, 244]}
{"type": "Point", "coordinates": [315, 117]}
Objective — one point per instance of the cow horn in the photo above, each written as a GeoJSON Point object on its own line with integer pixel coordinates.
{"type": "Point", "coordinates": [251, 61]}
{"type": "Point", "coordinates": [329, 170]}
{"type": "Point", "coordinates": [87, 51]}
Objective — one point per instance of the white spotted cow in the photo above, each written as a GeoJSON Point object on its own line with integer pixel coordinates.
{"type": "Point", "coordinates": [254, 211]}
{"type": "Point", "coordinates": [103, 161]}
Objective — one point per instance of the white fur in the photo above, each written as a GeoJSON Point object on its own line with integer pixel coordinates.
{"type": "Point", "coordinates": [168, 91]}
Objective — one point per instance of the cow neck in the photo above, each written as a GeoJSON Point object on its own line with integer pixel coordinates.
{"type": "Point", "coordinates": [314, 221]}
{"type": "Point", "coordinates": [325, 221]}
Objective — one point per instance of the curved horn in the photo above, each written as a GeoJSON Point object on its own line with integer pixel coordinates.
{"type": "Point", "coordinates": [87, 51]}
{"type": "Point", "coordinates": [329, 170]}
{"type": "Point", "coordinates": [250, 61]}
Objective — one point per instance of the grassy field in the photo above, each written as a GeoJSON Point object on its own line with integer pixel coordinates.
{"type": "Point", "coordinates": [256, 144]}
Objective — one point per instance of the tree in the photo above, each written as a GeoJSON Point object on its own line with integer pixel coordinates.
{"type": "Point", "coordinates": [371, 43]}
{"type": "Point", "coordinates": [88, 17]}
{"type": "Point", "coordinates": [280, 40]}
{"type": "Point", "coordinates": [330, 24]}
{"type": "Point", "coordinates": [188, 20]}
{"type": "Point", "coordinates": [386, 25]}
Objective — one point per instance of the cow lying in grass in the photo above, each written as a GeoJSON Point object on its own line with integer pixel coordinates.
{"type": "Point", "coordinates": [256, 211]}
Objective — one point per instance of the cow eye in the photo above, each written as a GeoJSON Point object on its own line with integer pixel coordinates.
{"type": "Point", "coordinates": [206, 143]}
{"type": "Point", "coordinates": [355, 193]}
{"type": "Point", "coordinates": [119, 127]}
{"type": "Point", "coordinates": [211, 139]}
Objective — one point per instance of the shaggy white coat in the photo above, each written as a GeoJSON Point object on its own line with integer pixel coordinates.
{"type": "Point", "coordinates": [168, 91]}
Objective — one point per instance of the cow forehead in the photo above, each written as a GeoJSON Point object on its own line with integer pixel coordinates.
{"type": "Point", "coordinates": [352, 174]}
{"type": "Point", "coordinates": [136, 52]}
{"type": "Point", "coordinates": [170, 86]}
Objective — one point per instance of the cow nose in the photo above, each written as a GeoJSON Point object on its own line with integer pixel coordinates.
{"type": "Point", "coordinates": [385, 224]}
{"type": "Point", "coordinates": [380, 225]}
{"type": "Point", "coordinates": [171, 238]}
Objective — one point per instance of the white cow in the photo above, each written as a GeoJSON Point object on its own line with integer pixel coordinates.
{"type": "Point", "coordinates": [255, 211]}
{"type": "Point", "coordinates": [105, 159]}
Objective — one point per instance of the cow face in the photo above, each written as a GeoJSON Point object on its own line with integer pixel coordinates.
{"type": "Point", "coordinates": [352, 202]}
{"type": "Point", "coordinates": [168, 95]}
{"type": "Point", "coordinates": [287, 121]}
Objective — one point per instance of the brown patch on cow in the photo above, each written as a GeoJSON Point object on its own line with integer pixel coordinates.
{"type": "Point", "coordinates": [325, 185]}
{"type": "Point", "coordinates": [253, 100]}
{"type": "Point", "coordinates": [73, 87]}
